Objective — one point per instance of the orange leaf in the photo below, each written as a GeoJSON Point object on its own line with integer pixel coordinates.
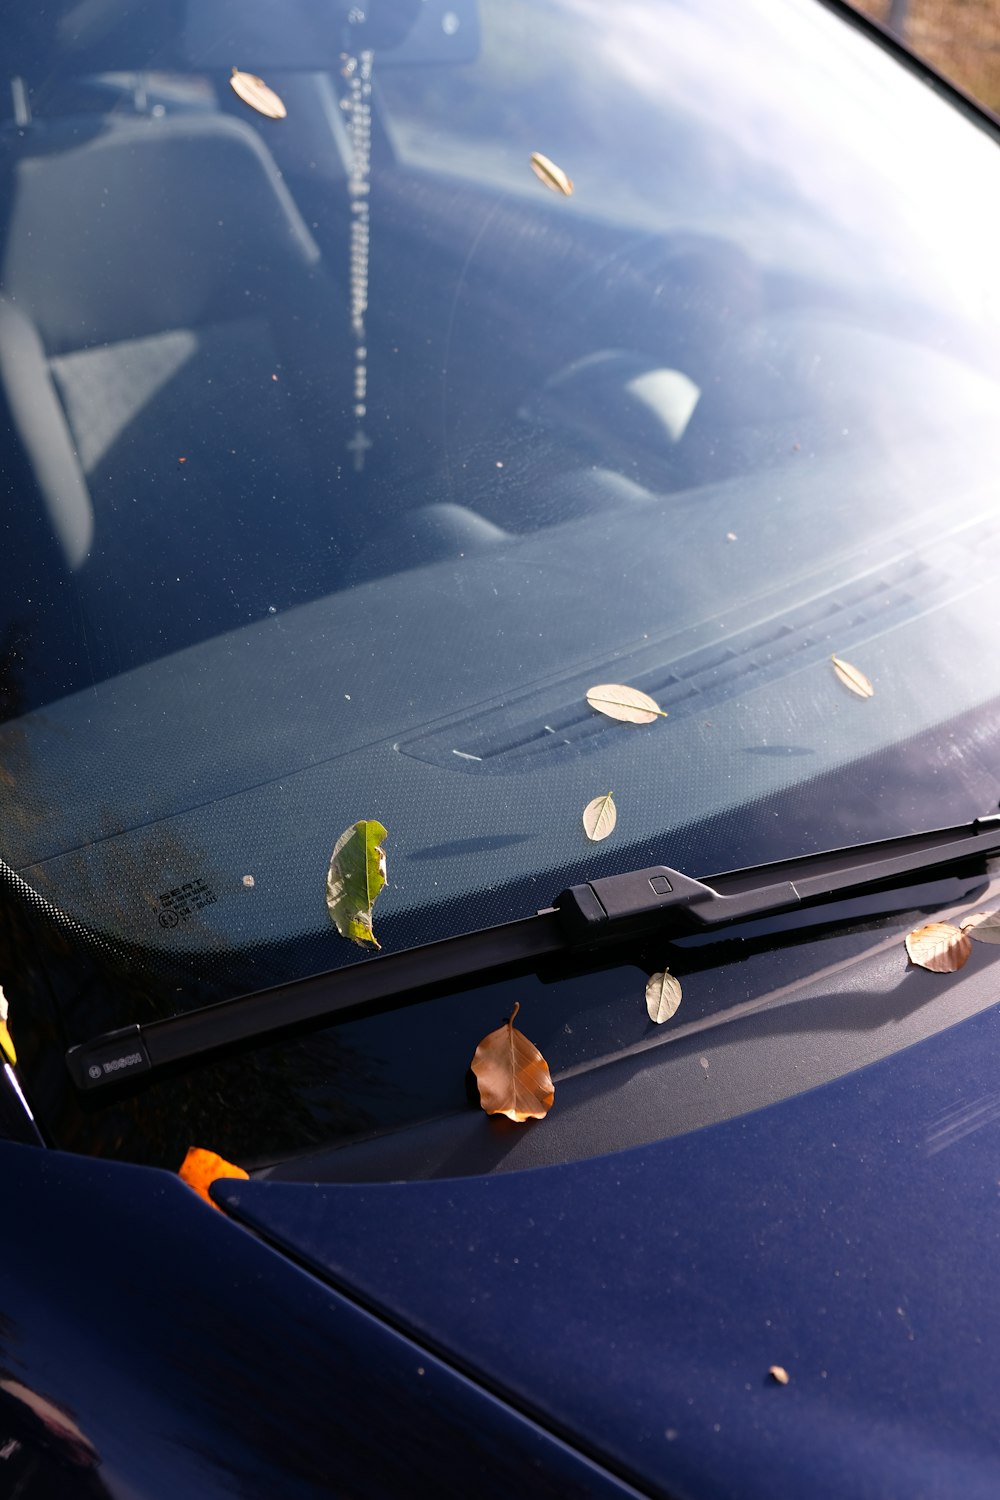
{"type": "Point", "coordinates": [938, 946]}
{"type": "Point", "coordinates": [512, 1074]}
{"type": "Point", "coordinates": [199, 1170]}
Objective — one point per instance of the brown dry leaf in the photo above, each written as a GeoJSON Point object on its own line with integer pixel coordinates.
{"type": "Point", "coordinates": [984, 926]}
{"type": "Point", "coordinates": [625, 703]}
{"type": "Point", "coordinates": [255, 92]}
{"type": "Point", "coordinates": [199, 1170]}
{"type": "Point", "coordinates": [852, 678]}
{"type": "Point", "coordinates": [778, 1374]}
{"type": "Point", "coordinates": [939, 946]}
{"type": "Point", "coordinates": [554, 177]}
{"type": "Point", "coordinates": [663, 995]}
{"type": "Point", "coordinates": [512, 1075]}
{"type": "Point", "coordinates": [600, 817]}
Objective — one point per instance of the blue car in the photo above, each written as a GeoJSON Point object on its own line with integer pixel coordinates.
{"type": "Point", "coordinates": [499, 754]}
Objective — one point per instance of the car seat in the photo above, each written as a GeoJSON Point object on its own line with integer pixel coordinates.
{"type": "Point", "coordinates": [174, 360]}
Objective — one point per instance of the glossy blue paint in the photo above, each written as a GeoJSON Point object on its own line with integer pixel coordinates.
{"type": "Point", "coordinates": [195, 1361]}
{"type": "Point", "coordinates": [637, 1301]}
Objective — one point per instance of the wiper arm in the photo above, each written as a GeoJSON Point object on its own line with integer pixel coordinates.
{"type": "Point", "coordinates": [639, 904]}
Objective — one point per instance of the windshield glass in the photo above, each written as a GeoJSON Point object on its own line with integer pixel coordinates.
{"type": "Point", "coordinates": [355, 427]}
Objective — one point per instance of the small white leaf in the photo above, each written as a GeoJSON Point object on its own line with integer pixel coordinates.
{"type": "Point", "coordinates": [983, 926]}
{"type": "Point", "coordinates": [663, 995]}
{"type": "Point", "coordinates": [600, 817]}
{"type": "Point", "coordinates": [625, 703]}
{"type": "Point", "coordinates": [554, 177]}
{"type": "Point", "coordinates": [852, 678]}
{"type": "Point", "coordinates": [255, 92]}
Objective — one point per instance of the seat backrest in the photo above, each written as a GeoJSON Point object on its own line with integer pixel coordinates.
{"type": "Point", "coordinates": [175, 361]}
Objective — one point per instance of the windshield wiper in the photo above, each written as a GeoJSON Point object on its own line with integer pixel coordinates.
{"type": "Point", "coordinates": [639, 904]}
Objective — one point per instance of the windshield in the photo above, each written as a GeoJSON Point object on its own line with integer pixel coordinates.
{"type": "Point", "coordinates": [373, 388]}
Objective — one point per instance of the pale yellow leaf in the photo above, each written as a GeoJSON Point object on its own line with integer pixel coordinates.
{"type": "Point", "coordinates": [663, 995]}
{"type": "Point", "coordinates": [984, 926]}
{"type": "Point", "coordinates": [852, 678]}
{"type": "Point", "coordinates": [625, 703]}
{"type": "Point", "coordinates": [600, 817]}
{"type": "Point", "coordinates": [513, 1076]}
{"type": "Point", "coordinates": [554, 177]}
{"type": "Point", "coordinates": [255, 92]}
{"type": "Point", "coordinates": [939, 946]}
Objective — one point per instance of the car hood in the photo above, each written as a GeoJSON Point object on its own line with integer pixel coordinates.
{"type": "Point", "coordinates": [638, 1302]}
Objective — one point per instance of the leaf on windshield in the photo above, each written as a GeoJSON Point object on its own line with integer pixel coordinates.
{"type": "Point", "coordinates": [663, 995]}
{"type": "Point", "coordinates": [625, 703]}
{"type": "Point", "coordinates": [852, 678]}
{"type": "Point", "coordinates": [6, 1045]}
{"type": "Point", "coordinates": [600, 817]}
{"type": "Point", "coordinates": [255, 92]}
{"type": "Point", "coordinates": [939, 946]}
{"type": "Point", "coordinates": [983, 926]}
{"type": "Point", "coordinates": [354, 879]}
{"type": "Point", "coordinates": [554, 177]}
{"type": "Point", "coordinates": [200, 1169]}
{"type": "Point", "coordinates": [6, 1041]}
{"type": "Point", "coordinates": [512, 1074]}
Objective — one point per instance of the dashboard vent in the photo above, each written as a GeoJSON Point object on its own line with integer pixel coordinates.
{"type": "Point", "coordinates": [555, 720]}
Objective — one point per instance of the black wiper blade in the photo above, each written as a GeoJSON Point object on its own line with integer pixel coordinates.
{"type": "Point", "coordinates": [639, 904]}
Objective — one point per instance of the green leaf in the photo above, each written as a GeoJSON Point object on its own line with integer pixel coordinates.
{"type": "Point", "coordinates": [354, 879]}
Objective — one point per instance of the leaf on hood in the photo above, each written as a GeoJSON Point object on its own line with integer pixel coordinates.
{"type": "Point", "coordinates": [554, 177]}
{"type": "Point", "coordinates": [600, 817]}
{"type": "Point", "coordinates": [512, 1074]}
{"type": "Point", "coordinates": [625, 703]}
{"type": "Point", "coordinates": [354, 879]}
{"type": "Point", "coordinates": [663, 995]}
{"type": "Point", "coordinates": [983, 926]}
{"type": "Point", "coordinates": [6, 1044]}
{"type": "Point", "coordinates": [852, 678]}
{"type": "Point", "coordinates": [939, 946]}
{"type": "Point", "coordinates": [255, 92]}
{"type": "Point", "coordinates": [200, 1169]}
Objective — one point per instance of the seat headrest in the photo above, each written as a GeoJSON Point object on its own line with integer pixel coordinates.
{"type": "Point", "coordinates": [94, 36]}
{"type": "Point", "coordinates": [150, 224]}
